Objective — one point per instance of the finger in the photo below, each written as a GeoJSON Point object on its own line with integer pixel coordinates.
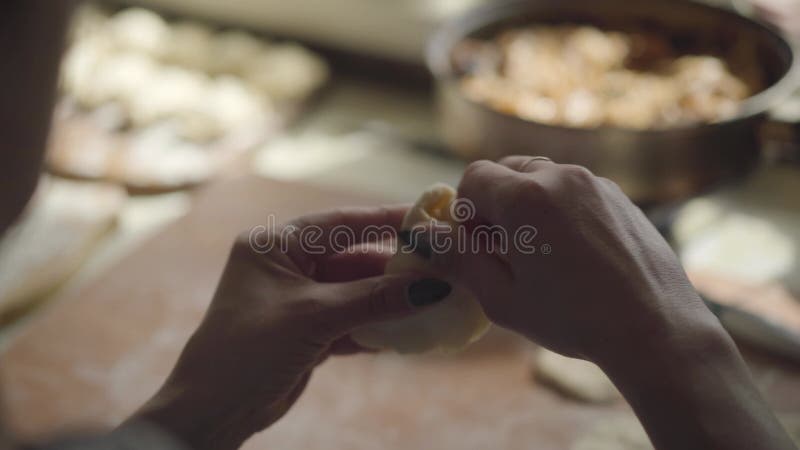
{"type": "Point", "coordinates": [334, 231]}
{"type": "Point", "coordinates": [481, 268]}
{"type": "Point", "coordinates": [355, 303]}
{"type": "Point", "coordinates": [363, 261]}
{"type": "Point", "coordinates": [476, 261]}
{"type": "Point", "coordinates": [525, 164]}
{"type": "Point", "coordinates": [498, 193]}
{"type": "Point", "coordinates": [311, 238]}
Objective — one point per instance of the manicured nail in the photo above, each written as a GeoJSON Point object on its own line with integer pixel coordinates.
{"type": "Point", "coordinates": [428, 291]}
{"type": "Point", "coordinates": [411, 241]}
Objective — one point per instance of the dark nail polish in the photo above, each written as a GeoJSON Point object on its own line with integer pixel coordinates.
{"type": "Point", "coordinates": [428, 291]}
{"type": "Point", "coordinates": [414, 242]}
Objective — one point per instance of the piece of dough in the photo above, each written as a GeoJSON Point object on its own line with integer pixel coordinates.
{"type": "Point", "coordinates": [575, 378]}
{"type": "Point", "coordinates": [190, 45]}
{"type": "Point", "coordinates": [450, 325]}
{"type": "Point", "coordinates": [156, 159]}
{"type": "Point", "coordinates": [743, 246]}
{"type": "Point", "coordinates": [139, 30]}
{"type": "Point", "coordinates": [286, 72]}
{"type": "Point", "coordinates": [233, 51]}
{"type": "Point", "coordinates": [62, 225]}
{"type": "Point", "coordinates": [119, 77]}
{"type": "Point", "coordinates": [79, 69]}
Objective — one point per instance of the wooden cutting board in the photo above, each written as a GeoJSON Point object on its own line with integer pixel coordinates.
{"type": "Point", "coordinates": [92, 357]}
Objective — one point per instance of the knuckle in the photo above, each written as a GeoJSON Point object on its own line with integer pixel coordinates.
{"type": "Point", "coordinates": [508, 160]}
{"type": "Point", "coordinates": [610, 184]}
{"type": "Point", "coordinates": [577, 173]}
{"type": "Point", "coordinates": [478, 165]}
{"type": "Point", "coordinates": [522, 164]}
{"type": "Point", "coordinates": [524, 191]}
{"type": "Point", "coordinates": [474, 169]}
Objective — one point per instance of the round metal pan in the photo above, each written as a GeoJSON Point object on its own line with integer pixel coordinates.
{"type": "Point", "coordinates": [651, 166]}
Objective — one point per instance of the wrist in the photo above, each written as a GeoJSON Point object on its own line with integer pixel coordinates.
{"type": "Point", "coordinates": [668, 327]}
{"type": "Point", "coordinates": [682, 345]}
{"type": "Point", "coordinates": [194, 419]}
{"type": "Point", "coordinates": [691, 389]}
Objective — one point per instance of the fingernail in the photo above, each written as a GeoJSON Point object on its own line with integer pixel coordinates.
{"type": "Point", "coordinates": [428, 291]}
{"type": "Point", "coordinates": [412, 242]}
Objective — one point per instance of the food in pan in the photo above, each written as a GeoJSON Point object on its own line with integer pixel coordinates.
{"type": "Point", "coordinates": [584, 77]}
{"type": "Point", "coordinates": [451, 324]}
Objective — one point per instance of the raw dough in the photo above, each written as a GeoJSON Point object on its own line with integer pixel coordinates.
{"type": "Point", "coordinates": [743, 246]}
{"type": "Point", "coordinates": [156, 159]}
{"type": "Point", "coordinates": [576, 378]}
{"type": "Point", "coordinates": [139, 30]}
{"type": "Point", "coordinates": [171, 91]}
{"type": "Point", "coordinates": [448, 326]}
{"type": "Point", "coordinates": [190, 45]}
{"type": "Point", "coordinates": [233, 51]}
{"type": "Point", "coordinates": [79, 69]}
{"type": "Point", "coordinates": [187, 99]}
{"type": "Point", "coordinates": [286, 72]}
{"type": "Point", "coordinates": [62, 225]}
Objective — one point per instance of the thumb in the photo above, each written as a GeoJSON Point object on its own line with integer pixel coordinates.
{"type": "Point", "coordinates": [385, 297]}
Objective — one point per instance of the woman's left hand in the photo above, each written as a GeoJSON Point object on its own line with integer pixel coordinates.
{"type": "Point", "coordinates": [278, 312]}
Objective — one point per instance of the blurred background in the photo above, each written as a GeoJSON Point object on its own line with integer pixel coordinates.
{"type": "Point", "coordinates": [181, 122]}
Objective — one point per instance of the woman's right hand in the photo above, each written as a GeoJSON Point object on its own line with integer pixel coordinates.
{"type": "Point", "coordinates": [606, 282]}
{"type": "Point", "coordinates": [608, 288]}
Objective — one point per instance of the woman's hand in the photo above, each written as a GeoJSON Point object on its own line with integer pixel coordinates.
{"type": "Point", "coordinates": [609, 284]}
{"type": "Point", "coordinates": [276, 315]}
{"type": "Point", "coordinates": [610, 290]}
